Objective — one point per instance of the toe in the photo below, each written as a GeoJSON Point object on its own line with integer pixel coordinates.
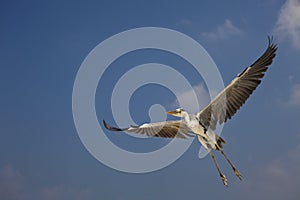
{"type": "Point", "coordinates": [224, 179]}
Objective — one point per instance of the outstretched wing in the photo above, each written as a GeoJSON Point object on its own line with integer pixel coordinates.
{"type": "Point", "coordinates": [226, 103]}
{"type": "Point", "coordinates": [168, 129]}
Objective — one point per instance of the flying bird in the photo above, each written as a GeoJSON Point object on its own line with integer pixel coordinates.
{"type": "Point", "coordinates": [219, 110]}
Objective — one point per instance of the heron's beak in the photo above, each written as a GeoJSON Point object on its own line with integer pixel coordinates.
{"type": "Point", "coordinates": [174, 112]}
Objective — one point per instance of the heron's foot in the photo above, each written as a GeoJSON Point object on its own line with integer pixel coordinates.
{"type": "Point", "coordinates": [237, 173]}
{"type": "Point", "coordinates": [224, 179]}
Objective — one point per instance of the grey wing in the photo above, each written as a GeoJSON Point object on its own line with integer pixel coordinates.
{"type": "Point", "coordinates": [168, 129]}
{"type": "Point", "coordinates": [226, 103]}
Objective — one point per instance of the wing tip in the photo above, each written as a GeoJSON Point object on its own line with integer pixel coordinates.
{"type": "Point", "coordinates": [271, 42]}
{"type": "Point", "coordinates": [111, 128]}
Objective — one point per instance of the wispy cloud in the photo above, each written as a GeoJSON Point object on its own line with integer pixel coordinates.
{"type": "Point", "coordinates": [14, 186]}
{"type": "Point", "coordinates": [185, 22]}
{"type": "Point", "coordinates": [223, 31]}
{"type": "Point", "coordinates": [189, 102]}
{"type": "Point", "coordinates": [275, 179]}
{"type": "Point", "coordinates": [288, 22]}
{"type": "Point", "coordinates": [294, 98]}
{"type": "Point", "coordinates": [11, 183]}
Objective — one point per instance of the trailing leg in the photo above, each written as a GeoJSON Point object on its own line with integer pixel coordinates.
{"type": "Point", "coordinates": [237, 173]}
{"type": "Point", "coordinates": [223, 177]}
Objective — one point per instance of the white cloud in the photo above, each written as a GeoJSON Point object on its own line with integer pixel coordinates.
{"type": "Point", "coordinates": [276, 179]}
{"type": "Point", "coordinates": [185, 22]}
{"type": "Point", "coordinates": [189, 102]}
{"type": "Point", "coordinates": [294, 99]}
{"type": "Point", "coordinates": [223, 31]}
{"type": "Point", "coordinates": [288, 22]}
{"type": "Point", "coordinates": [13, 186]}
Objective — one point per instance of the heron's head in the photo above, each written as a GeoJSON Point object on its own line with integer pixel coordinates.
{"type": "Point", "coordinates": [179, 112]}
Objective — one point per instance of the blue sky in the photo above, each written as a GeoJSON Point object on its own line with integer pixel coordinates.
{"type": "Point", "coordinates": [42, 45]}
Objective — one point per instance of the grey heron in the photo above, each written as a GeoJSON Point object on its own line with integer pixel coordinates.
{"type": "Point", "coordinates": [219, 110]}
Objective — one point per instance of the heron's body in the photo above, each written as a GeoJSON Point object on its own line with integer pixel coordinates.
{"type": "Point", "coordinates": [220, 109]}
{"type": "Point", "coordinates": [207, 137]}
{"type": "Point", "coordinates": [193, 123]}
{"type": "Point", "coordinates": [212, 141]}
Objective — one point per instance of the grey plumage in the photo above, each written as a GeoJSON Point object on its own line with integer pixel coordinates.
{"type": "Point", "coordinates": [168, 129]}
{"type": "Point", "coordinates": [226, 103]}
{"type": "Point", "coordinates": [219, 110]}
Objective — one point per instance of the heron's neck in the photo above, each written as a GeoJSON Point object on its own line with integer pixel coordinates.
{"type": "Point", "coordinates": [186, 117]}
